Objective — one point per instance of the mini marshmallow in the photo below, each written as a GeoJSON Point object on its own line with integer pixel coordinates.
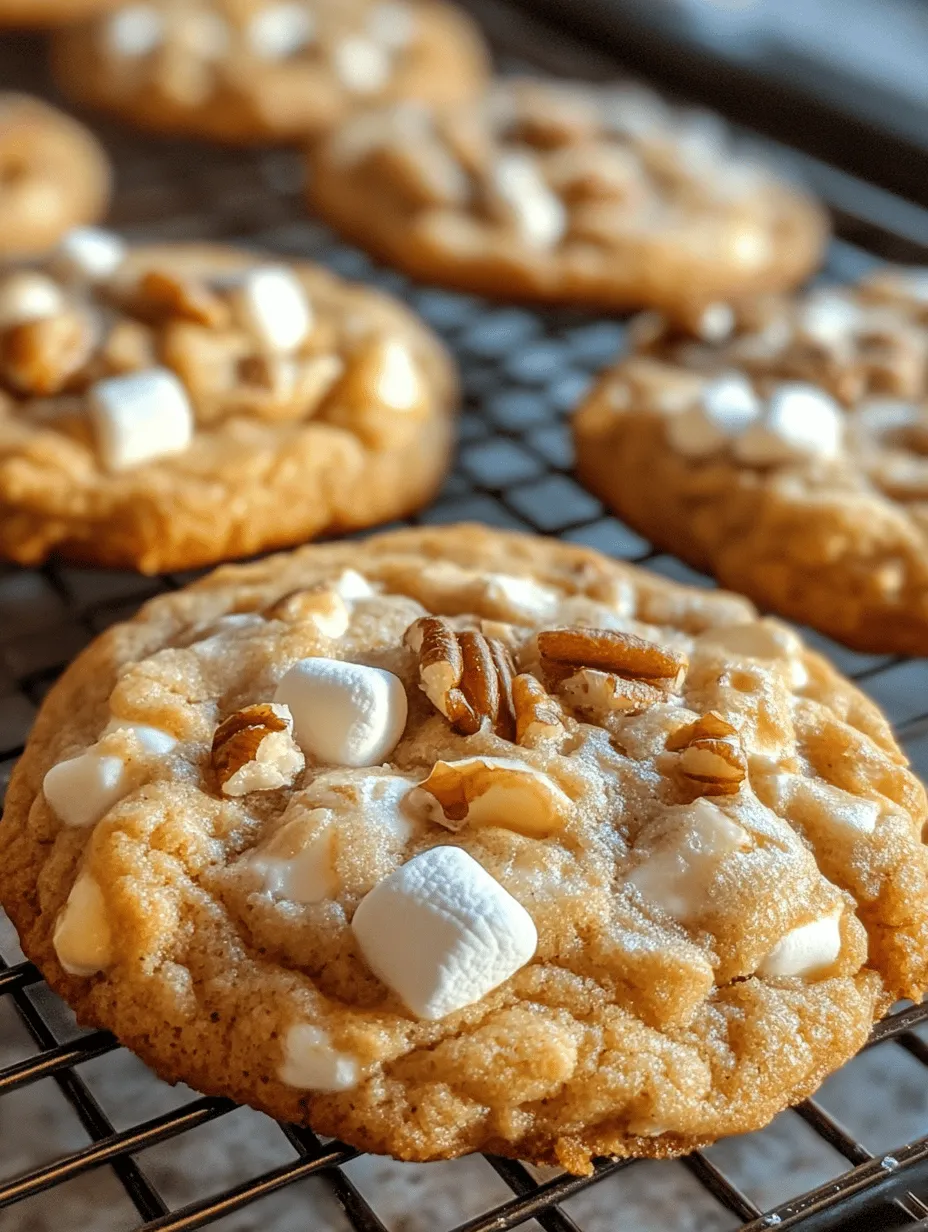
{"type": "Point", "coordinates": [393, 24]}
{"type": "Point", "coordinates": [442, 933]}
{"type": "Point", "coordinates": [829, 318]}
{"type": "Point", "coordinates": [807, 949]}
{"type": "Point", "coordinates": [82, 937]}
{"type": "Point", "coordinates": [280, 31]}
{"type": "Point", "coordinates": [727, 406]}
{"type": "Point", "coordinates": [140, 416]}
{"type": "Point", "coordinates": [298, 868]}
{"type": "Point", "coordinates": [344, 713]}
{"type": "Point", "coordinates": [89, 254]}
{"type": "Point", "coordinates": [801, 421]}
{"type": "Point", "coordinates": [85, 788]}
{"type": "Point", "coordinates": [311, 1063]}
{"type": "Point", "coordinates": [361, 65]}
{"type": "Point", "coordinates": [152, 739]}
{"type": "Point", "coordinates": [27, 296]}
{"type": "Point", "coordinates": [539, 214]}
{"type": "Point", "coordinates": [397, 383]}
{"type": "Point", "coordinates": [272, 304]}
{"type": "Point", "coordinates": [134, 31]}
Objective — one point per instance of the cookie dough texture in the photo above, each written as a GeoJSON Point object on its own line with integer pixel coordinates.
{"type": "Point", "coordinates": [252, 71]}
{"type": "Point", "coordinates": [31, 13]}
{"type": "Point", "coordinates": [53, 175]}
{"type": "Point", "coordinates": [567, 193]}
{"type": "Point", "coordinates": [350, 427]}
{"type": "Point", "coordinates": [657, 1012]}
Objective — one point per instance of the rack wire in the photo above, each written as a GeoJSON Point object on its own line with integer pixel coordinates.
{"type": "Point", "coordinates": [522, 371]}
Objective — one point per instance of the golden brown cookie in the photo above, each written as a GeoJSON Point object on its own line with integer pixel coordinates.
{"type": "Point", "coordinates": [32, 13]}
{"type": "Point", "coordinates": [54, 175]}
{"type": "Point", "coordinates": [457, 840]}
{"type": "Point", "coordinates": [245, 71]}
{"type": "Point", "coordinates": [567, 193]}
{"type": "Point", "coordinates": [167, 407]}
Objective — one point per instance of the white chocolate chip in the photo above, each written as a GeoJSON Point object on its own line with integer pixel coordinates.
{"type": "Point", "coordinates": [152, 739]}
{"type": "Point", "coordinates": [27, 296]}
{"type": "Point", "coordinates": [134, 31]}
{"type": "Point", "coordinates": [272, 304]}
{"type": "Point", "coordinates": [494, 791]}
{"type": "Point", "coordinates": [353, 586]}
{"type": "Point", "coordinates": [275, 763]}
{"type": "Point", "coordinates": [83, 789]}
{"type": "Point", "coordinates": [801, 421]}
{"type": "Point", "coordinates": [761, 639]}
{"type": "Point", "coordinates": [821, 808]}
{"type": "Point", "coordinates": [727, 407]}
{"type": "Point", "coordinates": [140, 416]}
{"type": "Point", "coordinates": [281, 30]}
{"type": "Point", "coordinates": [807, 949]}
{"type": "Point", "coordinates": [361, 65]}
{"type": "Point", "coordinates": [675, 873]}
{"type": "Point", "coordinates": [297, 863]}
{"type": "Point", "coordinates": [344, 713]}
{"type": "Point", "coordinates": [311, 1063]}
{"type": "Point", "coordinates": [89, 254]}
{"type": "Point", "coordinates": [393, 24]}
{"type": "Point", "coordinates": [396, 381]}
{"type": "Point", "coordinates": [82, 938]}
{"type": "Point", "coordinates": [539, 215]}
{"type": "Point", "coordinates": [442, 933]}
{"type": "Point", "coordinates": [526, 596]}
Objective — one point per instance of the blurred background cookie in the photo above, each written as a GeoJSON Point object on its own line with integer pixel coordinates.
{"type": "Point", "coordinates": [246, 71]}
{"type": "Point", "coordinates": [54, 175]}
{"type": "Point", "coordinates": [573, 193]}
{"type": "Point", "coordinates": [32, 13]}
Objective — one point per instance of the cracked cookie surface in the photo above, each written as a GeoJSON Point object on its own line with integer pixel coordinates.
{"type": "Point", "coordinates": [168, 407]}
{"type": "Point", "coordinates": [458, 840]}
{"type": "Point", "coordinates": [567, 192]}
{"type": "Point", "coordinates": [252, 71]}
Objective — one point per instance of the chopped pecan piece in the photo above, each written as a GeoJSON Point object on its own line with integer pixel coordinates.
{"type": "Point", "coordinates": [42, 356]}
{"type": "Point", "coordinates": [466, 676]}
{"type": "Point", "coordinates": [602, 692]}
{"type": "Point", "coordinates": [163, 295]}
{"type": "Point", "coordinates": [611, 650]}
{"type": "Point", "coordinates": [711, 757]}
{"type": "Point", "coordinates": [253, 750]}
{"type": "Point", "coordinates": [537, 714]}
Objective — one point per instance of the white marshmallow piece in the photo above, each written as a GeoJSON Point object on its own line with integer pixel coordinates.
{"type": "Point", "coordinates": [296, 868]}
{"type": "Point", "coordinates": [134, 31]}
{"type": "Point", "coordinates": [88, 254]}
{"type": "Point", "coordinates": [139, 417]}
{"type": "Point", "coordinates": [397, 384]}
{"type": "Point", "coordinates": [762, 639]}
{"type": "Point", "coordinates": [829, 318]}
{"type": "Point", "coordinates": [442, 933]}
{"type": "Point", "coordinates": [344, 713]}
{"type": "Point", "coordinates": [727, 407]}
{"type": "Point", "coordinates": [280, 31]}
{"type": "Point", "coordinates": [82, 937]}
{"type": "Point", "coordinates": [393, 24]}
{"type": "Point", "coordinates": [807, 949]}
{"type": "Point", "coordinates": [85, 788]}
{"type": "Point", "coordinates": [311, 1063]}
{"type": "Point", "coordinates": [27, 296]}
{"type": "Point", "coordinates": [361, 65]}
{"type": "Point", "coordinates": [273, 305]}
{"type": "Point", "coordinates": [801, 422]}
{"type": "Point", "coordinates": [539, 214]}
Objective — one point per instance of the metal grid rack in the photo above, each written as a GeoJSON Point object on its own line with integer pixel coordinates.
{"type": "Point", "coordinates": [522, 372]}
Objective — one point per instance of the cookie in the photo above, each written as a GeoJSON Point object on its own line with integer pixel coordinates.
{"type": "Point", "coordinates": [567, 193]}
{"type": "Point", "coordinates": [54, 175]}
{"type": "Point", "coordinates": [167, 407]}
{"type": "Point", "coordinates": [252, 71]}
{"type": "Point", "coordinates": [32, 13]}
{"type": "Point", "coordinates": [458, 840]}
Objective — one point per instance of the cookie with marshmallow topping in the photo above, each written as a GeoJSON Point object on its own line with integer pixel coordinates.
{"type": "Point", "coordinates": [567, 193]}
{"type": "Point", "coordinates": [263, 71]}
{"type": "Point", "coordinates": [810, 503]}
{"type": "Point", "coordinates": [167, 407]}
{"type": "Point", "coordinates": [458, 840]}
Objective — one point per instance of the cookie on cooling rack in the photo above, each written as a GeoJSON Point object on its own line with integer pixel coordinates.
{"type": "Point", "coordinates": [32, 13]}
{"type": "Point", "coordinates": [567, 193]}
{"type": "Point", "coordinates": [458, 840]}
{"type": "Point", "coordinates": [268, 70]}
{"type": "Point", "coordinates": [173, 406]}
{"type": "Point", "coordinates": [54, 175]}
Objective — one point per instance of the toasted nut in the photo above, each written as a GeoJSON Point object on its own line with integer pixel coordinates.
{"type": "Point", "coordinates": [711, 757]}
{"type": "Point", "coordinates": [441, 664]}
{"type": "Point", "coordinates": [42, 356]}
{"type": "Point", "coordinates": [611, 651]}
{"type": "Point", "coordinates": [495, 791]}
{"type": "Point", "coordinates": [710, 726]}
{"type": "Point", "coordinates": [538, 715]}
{"type": "Point", "coordinates": [598, 692]}
{"type": "Point", "coordinates": [467, 677]}
{"type": "Point", "coordinates": [254, 750]}
{"type": "Point", "coordinates": [163, 295]}
{"type": "Point", "coordinates": [321, 604]}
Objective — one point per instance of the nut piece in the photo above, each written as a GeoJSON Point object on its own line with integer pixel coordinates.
{"type": "Point", "coordinates": [613, 651]}
{"type": "Point", "coordinates": [601, 692]}
{"type": "Point", "coordinates": [320, 603]}
{"type": "Point", "coordinates": [254, 750]}
{"type": "Point", "coordinates": [538, 716]}
{"type": "Point", "coordinates": [711, 756]}
{"type": "Point", "coordinates": [163, 295]}
{"type": "Point", "coordinates": [41, 356]}
{"type": "Point", "coordinates": [466, 676]}
{"type": "Point", "coordinates": [495, 791]}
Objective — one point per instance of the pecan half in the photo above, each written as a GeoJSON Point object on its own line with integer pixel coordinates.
{"type": "Point", "coordinates": [253, 750]}
{"type": "Point", "coordinates": [42, 356]}
{"type": "Point", "coordinates": [537, 714]}
{"type": "Point", "coordinates": [607, 670]}
{"type": "Point", "coordinates": [711, 757]}
{"type": "Point", "coordinates": [466, 676]}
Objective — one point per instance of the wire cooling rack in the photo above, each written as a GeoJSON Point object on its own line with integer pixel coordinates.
{"type": "Point", "coordinates": [90, 1141]}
